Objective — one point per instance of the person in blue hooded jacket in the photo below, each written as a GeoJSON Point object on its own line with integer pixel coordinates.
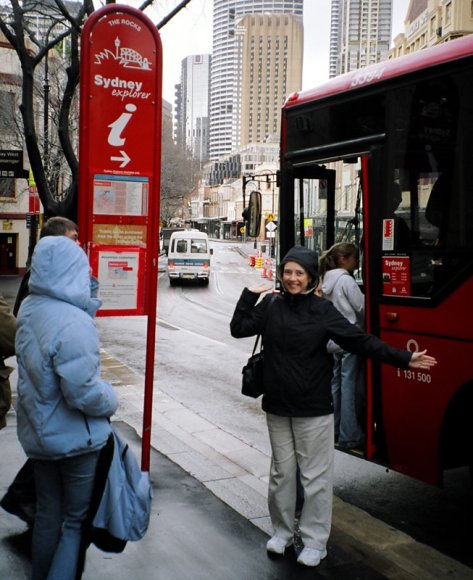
{"type": "Point", "coordinates": [63, 406]}
{"type": "Point", "coordinates": [297, 395]}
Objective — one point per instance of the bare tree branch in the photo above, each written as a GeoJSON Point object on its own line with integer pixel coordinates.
{"type": "Point", "coordinates": [173, 13]}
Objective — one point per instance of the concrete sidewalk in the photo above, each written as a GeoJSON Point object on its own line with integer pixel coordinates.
{"type": "Point", "coordinates": [210, 518]}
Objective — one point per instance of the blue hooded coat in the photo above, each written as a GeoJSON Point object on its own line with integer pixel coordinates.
{"type": "Point", "coordinates": [63, 406]}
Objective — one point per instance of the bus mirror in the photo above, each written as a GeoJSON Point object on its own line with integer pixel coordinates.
{"type": "Point", "coordinates": [254, 214]}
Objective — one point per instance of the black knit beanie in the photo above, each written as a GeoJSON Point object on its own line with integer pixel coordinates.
{"type": "Point", "coordinates": [306, 258]}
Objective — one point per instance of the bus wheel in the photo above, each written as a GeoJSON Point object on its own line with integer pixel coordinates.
{"type": "Point", "coordinates": [173, 281]}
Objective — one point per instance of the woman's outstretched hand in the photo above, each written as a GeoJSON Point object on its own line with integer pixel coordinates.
{"type": "Point", "coordinates": [264, 287]}
{"type": "Point", "coordinates": [421, 360]}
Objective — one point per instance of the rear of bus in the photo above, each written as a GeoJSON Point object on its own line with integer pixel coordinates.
{"type": "Point", "coordinates": [189, 257]}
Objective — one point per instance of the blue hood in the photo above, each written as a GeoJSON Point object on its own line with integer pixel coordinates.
{"type": "Point", "coordinates": [60, 269]}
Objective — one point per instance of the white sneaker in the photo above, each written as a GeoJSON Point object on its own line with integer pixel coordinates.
{"type": "Point", "coordinates": [311, 556]}
{"type": "Point", "coordinates": [278, 545]}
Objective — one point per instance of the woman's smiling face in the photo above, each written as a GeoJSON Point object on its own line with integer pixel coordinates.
{"type": "Point", "coordinates": [295, 278]}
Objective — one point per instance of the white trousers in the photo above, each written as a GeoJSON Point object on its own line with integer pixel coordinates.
{"type": "Point", "coordinates": [307, 442]}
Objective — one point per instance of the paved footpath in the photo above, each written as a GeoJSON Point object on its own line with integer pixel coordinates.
{"type": "Point", "coordinates": [210, 518]}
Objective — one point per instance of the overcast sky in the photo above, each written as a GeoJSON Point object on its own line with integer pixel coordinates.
{"type": "Point", "coordinates": [190, 32]}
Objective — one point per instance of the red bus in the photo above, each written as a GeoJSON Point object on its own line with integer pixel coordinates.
{"type": "Point", "coordinates": [381, 156]}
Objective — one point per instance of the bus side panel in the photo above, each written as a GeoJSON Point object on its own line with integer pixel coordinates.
{"type": "Point", "coordinates": [414, 402]}
{"type": "Point", "coordinates": [450, 318]}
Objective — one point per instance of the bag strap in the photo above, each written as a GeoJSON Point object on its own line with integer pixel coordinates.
{"type": "Point", "coordinates": [271, 300]}
{"type": "Point", "coordinates": [256, 344]}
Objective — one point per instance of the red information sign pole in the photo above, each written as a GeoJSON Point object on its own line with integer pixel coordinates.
{"type": "Point", "coordinates": [119, 169]}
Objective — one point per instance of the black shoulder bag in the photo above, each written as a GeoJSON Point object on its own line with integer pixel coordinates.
{"type": "Point", "coordinates": [252, 384]}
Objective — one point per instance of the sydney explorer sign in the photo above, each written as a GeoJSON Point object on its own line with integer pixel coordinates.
{"type": "Point", "coordinates": [120, 104]}
{"type": "Point", "coordinates": [120, 151]}
{"type": "Point", "coordinates": [119, 168]}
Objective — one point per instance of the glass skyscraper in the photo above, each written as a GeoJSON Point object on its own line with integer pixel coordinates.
{"type": "Point", "coordinates": [360, 34]}
{"type": "Point", "coordinates": [226, 70]}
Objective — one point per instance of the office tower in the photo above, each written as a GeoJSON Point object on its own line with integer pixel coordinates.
{"type": "Point", "coordinates": [360, 34]}
{"type": "Point", "coordinates": [228, 62]}
{"type": "Point", "coordinates": [271, 47]}
{"type": "Point", "coordinates": [192, 106]}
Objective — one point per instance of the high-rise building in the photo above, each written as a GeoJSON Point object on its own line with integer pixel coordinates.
{"type": "Point", "coordinates": [360, 34]}
{"type": "Point", "coordinates": [192, 106]}
{"type": "Point", "coordinates": [227, 74]}
{"type": "Point", "coordinates": [271, 48]}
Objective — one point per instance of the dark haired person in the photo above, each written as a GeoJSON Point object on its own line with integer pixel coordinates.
{"type": "Point", "coordinates": [298, 398]}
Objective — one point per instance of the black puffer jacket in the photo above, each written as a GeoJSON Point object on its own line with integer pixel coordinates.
{"type": "Point", "coordinates": [298, 369]}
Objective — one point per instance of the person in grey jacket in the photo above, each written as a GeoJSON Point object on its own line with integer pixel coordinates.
{"type": "Point", "coordinates": [63, 406]}
{"type": "Point", "coordinates": [297, 397]}
{"type": "Point", "coordinates": [337, 265]}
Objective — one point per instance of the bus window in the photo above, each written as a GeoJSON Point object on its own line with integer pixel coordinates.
{"type": "Point", "coordinates": [328, 205]}
{"type": "Point", "coordinates": [430, 217]}
{"type": "Point", "coordinates": [309, 216]}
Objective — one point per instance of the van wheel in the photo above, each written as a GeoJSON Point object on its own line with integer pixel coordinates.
{"type": "Point", "coordinates": [205, 281]}
{"type": "Point", "coordinates": [173, 281]}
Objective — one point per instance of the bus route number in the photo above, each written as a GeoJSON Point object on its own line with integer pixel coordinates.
{"type": "Point", "coordinates": [364, 78]}
{"type": "Point", "coordinates": [414, 376]}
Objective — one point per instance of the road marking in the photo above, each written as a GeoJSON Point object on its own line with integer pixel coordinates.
{"type": "Point", "coordinates": [171, 326]}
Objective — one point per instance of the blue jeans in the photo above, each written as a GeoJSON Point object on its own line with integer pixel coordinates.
{"type": "Point", "coordinates": [63, 489]}
{"type": "Point", "coordinates": [348, 398]}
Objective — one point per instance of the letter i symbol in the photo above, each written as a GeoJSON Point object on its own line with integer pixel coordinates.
{"type": "Point", "coordinates": [114, 137]}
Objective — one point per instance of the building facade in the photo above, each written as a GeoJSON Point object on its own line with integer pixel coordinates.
{"type": "Point", "coordinates": [226, 70]}
{"type": "Point", "coordinates": [14, 191]}
{"type": "Point", "coordinates": [271, 49]}
{"type": "Point", "coordinates": [360, 34]}
{"type": "Point", "coordinates": [192, 106]}
{"type": "Point", "coordinates": [429, 22]}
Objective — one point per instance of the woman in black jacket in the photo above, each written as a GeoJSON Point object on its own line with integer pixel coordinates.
{"type": "Point", "coordinates": [298, 402]}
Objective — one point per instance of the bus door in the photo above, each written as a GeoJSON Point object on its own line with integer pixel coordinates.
{"type": "Point", "coordinates": [310, 199]}
{"type": "Point", "coordinates": [326, 202]}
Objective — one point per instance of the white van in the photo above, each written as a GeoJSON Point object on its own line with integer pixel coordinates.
{"type": "Point", "coordinates": [189, 256]}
